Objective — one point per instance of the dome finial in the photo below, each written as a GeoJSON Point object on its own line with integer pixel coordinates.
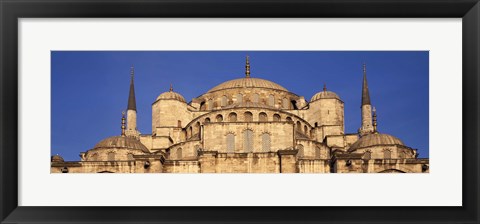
{"type": "Point", "coordinates": [374, 120]}
{"type": "Point", "coordinates": [171, 87]}
{"type": "Point", "coordinates": [132, 71]}
{"type": "Point", "coordinates": [247, 68]}
{"type": "Point", "coordinates": [324, 87]}
{"type": "Point", "coordinates": [123, 123]}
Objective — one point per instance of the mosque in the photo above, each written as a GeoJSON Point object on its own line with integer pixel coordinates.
{"type": "Point", "coordinates": [247, 125]}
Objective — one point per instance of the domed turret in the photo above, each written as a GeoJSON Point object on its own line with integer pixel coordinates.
{"type": "Point", "coordinates": [325, 94]}
{"type": "Point", "coordinates": [57, 158]}
{"type": "Point", "coordinates": [171, 95]}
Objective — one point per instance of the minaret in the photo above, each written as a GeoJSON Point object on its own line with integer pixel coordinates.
{"type": "Point", "coordinates": [131, 108]}
{"type": "Point", "coordinates": [367, 126]}
{"type": "Point", "coordinates": [123, 123]}
{"type": "Point", "coordinates": [247, 68]}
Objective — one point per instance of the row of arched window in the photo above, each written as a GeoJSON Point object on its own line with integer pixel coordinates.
{"type": "Point", "coordinates": [247, 117]}
{"type": "Point", "coordinates": [248, 142]}
{"type": "Point", "coordinates": [110, 156]}
{"type": "Point", "coordinates": [387, 154]}
{"type": "Point", "coordinates": [255, 98]}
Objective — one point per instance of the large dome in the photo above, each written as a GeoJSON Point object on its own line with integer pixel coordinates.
{"type": "Point", "coordinates": [248, 82]}
{"type": "Point", "coordinates": [374, 140]}
{"type": "Point", "coordinates": [121, 142]}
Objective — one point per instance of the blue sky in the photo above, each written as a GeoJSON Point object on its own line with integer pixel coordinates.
{"type": "Point", "coordinates": [90, 88]}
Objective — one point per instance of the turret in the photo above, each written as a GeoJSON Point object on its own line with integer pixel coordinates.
{"type": "Point", "coordinates": [367, 126]}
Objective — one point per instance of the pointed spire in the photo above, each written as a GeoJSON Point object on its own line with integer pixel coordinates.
{"type": "Point", "coordinates": [171, 87]}
{"type": "Point", "coordinates": [132, 105]}
{"type": "Point", "coordinates": [247, 68]}
{"type": "Point", "coordinates": [123, 123]}
{"type": "Point", "coordinates": [374, 120]}
{"type": "Point", "coordinates": [324, 87]}
{"type": "Point", "coordinates": [365, 93]}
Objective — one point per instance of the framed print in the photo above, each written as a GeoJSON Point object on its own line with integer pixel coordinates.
{"type": "Point", "coordinates": [224, 111]}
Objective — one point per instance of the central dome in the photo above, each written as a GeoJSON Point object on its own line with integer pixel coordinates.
{"type": "Point", "coordinates": [248, 83]}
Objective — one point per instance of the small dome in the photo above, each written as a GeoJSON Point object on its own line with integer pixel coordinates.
{"type": "Point", "coordinates": [325, 95]}
{"type": "Point", "coordinates": [375, 139]}
{"type": "Point", "coordinates": [170, 95]}
{"type": "Point", "coordinates": [248, 82]}
{"type": "Point", "coordinates": [56, 158]}
{"type": "Point", "coordinates": [121, 142]}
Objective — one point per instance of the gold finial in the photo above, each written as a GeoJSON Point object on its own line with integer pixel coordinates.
{"type": "Point", "coordinates": [374, 120]}
{"type": "Point", "coordinates": [247, 68]}
{"type": "Point", "coordinates": [171, 88]}
{"type": "Point", "coordinates": [123, 123]}
{"type": "Point", "coordinates": [364, 68]}
{"type": "Point", "coordinates": [324, 87]}
{"type": "Point", "coordinates": [132, 71]}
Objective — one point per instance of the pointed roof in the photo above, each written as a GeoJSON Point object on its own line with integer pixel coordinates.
{"type": "Point", "coordinates": [132, 105]}
{"type": "Point", "coordinates": [365, 93]}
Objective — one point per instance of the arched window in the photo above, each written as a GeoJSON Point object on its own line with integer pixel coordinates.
{"type": "Point", "coordinates": [203, 106]}
{"type": "Point", "coordinates": [179, 153]}
{"type": "Point", "coordinates": [367, 155]}
{"type": "Point", "coordinates": [271, 100]}
{"type": "Point", "coordinates": [130, 156]}
{"type": "Point", "coordinates": [248, 140]}
{"type": "Point", "coordinates": [317, 152]}
{"type": "Point", "coordinates": [195, 150]}
{"type": "Point", "coordinates": [248, 116]}
{"type": "Point", "coordinates": [387, 154]}
{"type": "Point", "coordinates": [232, 117]}
{"type": "Point", "coordinates": [299, 126]}
{"type": "Point", "coordinates": [111, 156]}
{"type": "Point", "coordinates": [219, 118]}
{"type": "Point", "coordinates": [305, 130]}
{"type": "Point", "coordinates": [286, 103]}
{"type": "Point", "coordinates": [197, 128]}
{"type": "Point", "coordinates": [191, 131]}
{"type": "Point", "coordinates": [402, 155]}
{"type": "Point", "coordinates": [289, 119]}
{"type": "Point", "coordinates": [255, 98]}
{"type": "Point", "coordinates": [230, 143]}
{"type": "Point", "coordinates": [224, 101]}
{"type": "Point", "coordinates": [262, 117]}
{"type": "Point", "coordinates": [276, 117]}
{"type": "Point", "coordinates": [239, 98]}
{"type": "Point", "coordinates": [300, 150]}
{"type": "Point", "coordinates": [207, 120]}
{"type": "Point", "coordinates": [316, 124]}
{"type": "Point", "coordinates": [266, 142]}
{"type": "Point", "coordinates": [179, 123]}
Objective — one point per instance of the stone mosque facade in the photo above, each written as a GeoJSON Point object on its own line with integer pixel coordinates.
{"type": "Point", "coordinates": [248, 125]}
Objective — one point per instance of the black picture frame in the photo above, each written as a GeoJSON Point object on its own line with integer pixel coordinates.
{"type": "Point", "coordinates": [11, 11]}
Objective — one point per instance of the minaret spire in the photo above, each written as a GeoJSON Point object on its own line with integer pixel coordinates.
{"type": "Point", "coordinates": [365, 93]}
{"type": "Point", "coordinates": [132, 109]}
{"type": "Point", "coordinates": [247, 68]}
{"type": "Point", "coordinates": [367, 126]}
{"type": "Point", "coordinates": [132, 105]}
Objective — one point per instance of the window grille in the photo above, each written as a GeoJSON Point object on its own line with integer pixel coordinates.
{"type": "Point", "coordinates": [232, 117]}
{"type": "Point", "coordinates": [248, 141]}
{"type": "Point", "coordinates": [266, 142]}
{"type": "Point", "coordinates": [271, 100]}
{"type": "Point", "coordinates": [248, 116]}
{"type": "Point", "coordinates": [262, 117]}
{"type": "Point", "coordinates": [276, 117]}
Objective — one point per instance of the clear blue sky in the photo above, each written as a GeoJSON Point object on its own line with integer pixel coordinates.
{"type": "Point", "coordinates": [90, 89]}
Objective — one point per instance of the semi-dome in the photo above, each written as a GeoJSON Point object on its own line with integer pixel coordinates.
{"type": "Point", "coordinates": [248, 82]}
{"type": "Point", "coordinates": [171, 95]}
{"type": "Point", "coordinates": [121, 142]}
{"type": "Point", "coordinates": [375, 139]}
{"type": "Point", "coordinates": [325, 94]}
